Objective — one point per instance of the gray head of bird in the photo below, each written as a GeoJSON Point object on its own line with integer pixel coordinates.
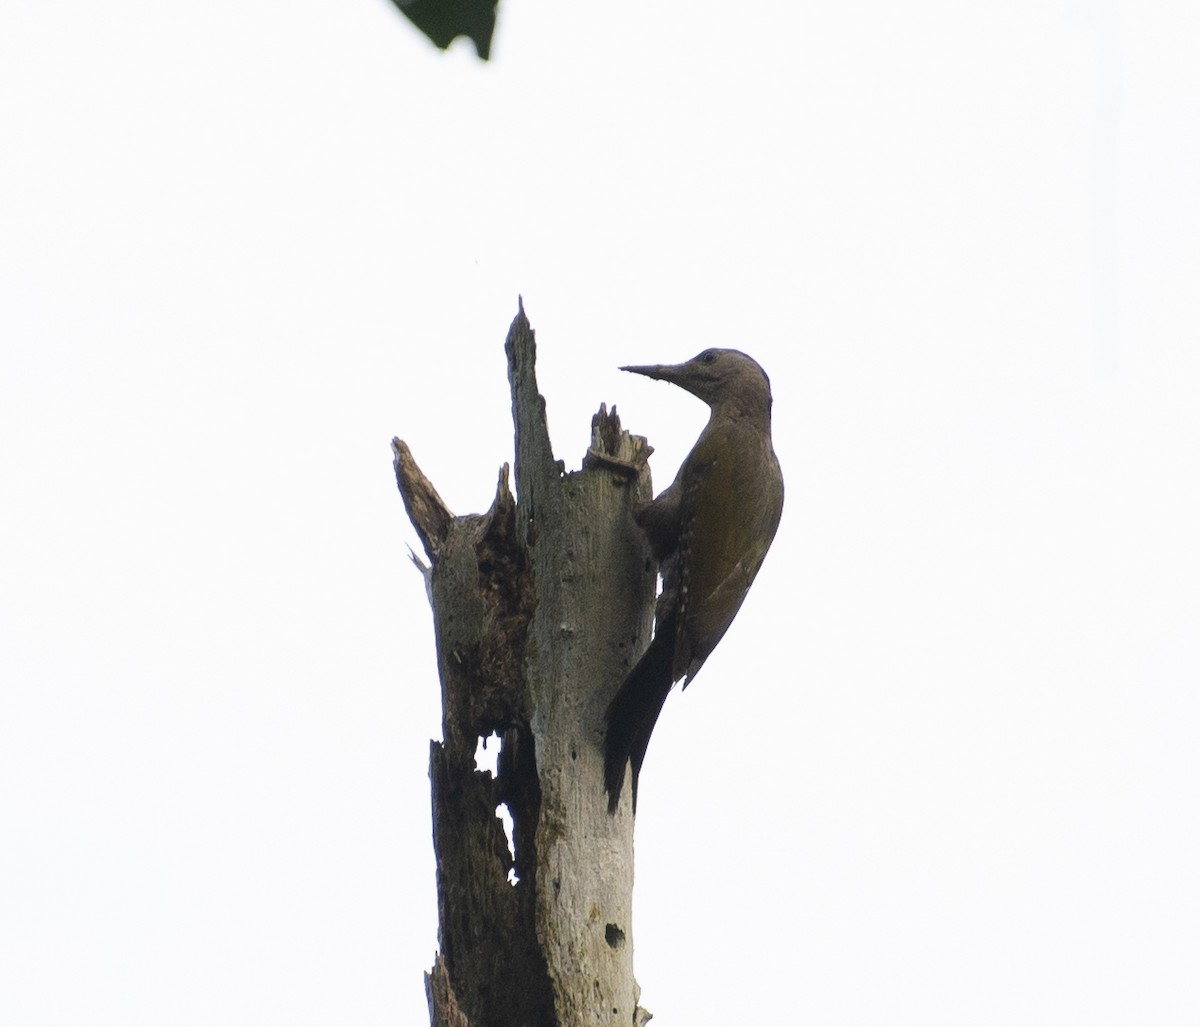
{"type": "Point", "coordinates": [720, 377]}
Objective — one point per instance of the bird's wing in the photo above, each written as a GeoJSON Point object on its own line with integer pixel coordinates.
{"type": "Point", "coordinates": [729, 516]}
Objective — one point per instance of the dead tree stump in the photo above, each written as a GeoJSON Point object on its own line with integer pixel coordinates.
{"type": "Point", "coordinates": [540, 608]}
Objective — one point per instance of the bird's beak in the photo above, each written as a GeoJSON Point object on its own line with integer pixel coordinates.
{"type": "Point", "coordinates": [662, 372]}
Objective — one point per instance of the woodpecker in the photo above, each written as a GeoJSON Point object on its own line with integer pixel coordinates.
{"type": "Point", "coordinates": [710, 531]}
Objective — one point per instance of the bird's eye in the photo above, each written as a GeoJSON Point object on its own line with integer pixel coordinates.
{"type": "Point", "coordinates": [708, 356]}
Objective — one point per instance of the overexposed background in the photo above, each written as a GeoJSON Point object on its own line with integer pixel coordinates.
{"type": "Point", "coordinates": [943, 770]}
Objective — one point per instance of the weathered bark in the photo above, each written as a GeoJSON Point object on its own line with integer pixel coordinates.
{"type": "Point", "coordinates": [540, 608]}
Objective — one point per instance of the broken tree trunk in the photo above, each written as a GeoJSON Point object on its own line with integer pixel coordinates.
{"type": "Point", "coordinates": [540, 608]}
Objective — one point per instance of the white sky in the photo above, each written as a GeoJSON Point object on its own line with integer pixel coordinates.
{"type": "Point", "coordinates": [943, 770]}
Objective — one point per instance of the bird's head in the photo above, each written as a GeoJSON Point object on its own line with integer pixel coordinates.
{"type": "Point", "coordinates": [719, 377]}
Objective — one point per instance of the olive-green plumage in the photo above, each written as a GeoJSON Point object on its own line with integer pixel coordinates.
{"type": "Point", "coordinates": [710, 530]}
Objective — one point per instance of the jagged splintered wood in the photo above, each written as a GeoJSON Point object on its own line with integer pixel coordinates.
{"type": "Point", "coordinates": [540, 608]}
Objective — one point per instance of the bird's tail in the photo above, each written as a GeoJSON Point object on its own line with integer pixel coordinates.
{"type": "Point", "coordinates": [633, 712]}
